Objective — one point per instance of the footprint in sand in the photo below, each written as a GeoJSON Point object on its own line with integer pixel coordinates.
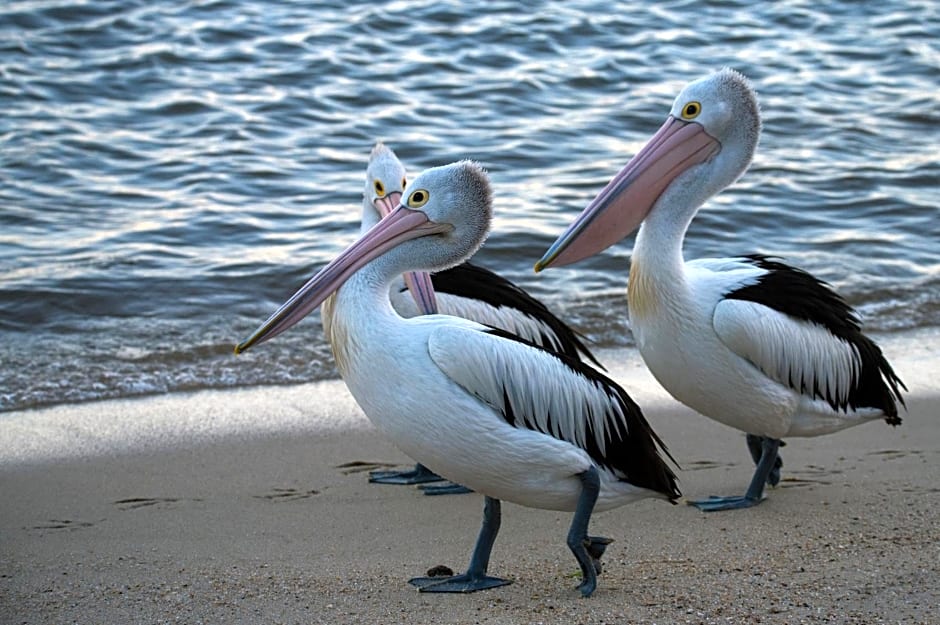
{"type": "Point", "coordinates": [892, 454]}
{"type": "Point", "coordinates": [132, 503]}
{"type": "Point", "coordinates": [361, 466]}
{"type": "Point", "coordinates": [701, 465]}
{"type": "Point", "coordinates": [287, 494]}
{"type": "Point", "coordinates": [63, 525]}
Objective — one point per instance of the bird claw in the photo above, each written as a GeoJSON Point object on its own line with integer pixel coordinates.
{"type": "Point", "coordinates": [774, 478]}
{"type": "Point", "coordinates": [596, 546]}
{"type": "Point", "coordinates": [587, 587]}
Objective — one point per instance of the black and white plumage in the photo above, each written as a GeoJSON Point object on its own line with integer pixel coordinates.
{"type": "Point", "coordinates": [604, 435]}
{"type": "Point", "coordinates": [853, 374]}
{"type": "Point", "coordinates": [748, 341]}
{"type": "Point", "coordinates": [481, 295]}
{"type": "Point", "coordinates": [522, 423]}
{"type": "Point", "coordinates": [466, 290]}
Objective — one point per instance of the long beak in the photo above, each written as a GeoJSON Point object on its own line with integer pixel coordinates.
{"type": "Point", "coordinates": [418, 282]}
{"type": "Point", "coordinates": [386, 204]}
{"type": "Point", "coordinates": [401, 225]}
{"type": "Point", "coordinates": [627, 199]}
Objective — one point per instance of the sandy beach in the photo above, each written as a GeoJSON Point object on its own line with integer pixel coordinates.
{"type": "Point", "coordinates": [252, 506]}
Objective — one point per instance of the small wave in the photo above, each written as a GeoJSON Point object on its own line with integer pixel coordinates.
{"type": "Point", "coordinates": [172, 171]}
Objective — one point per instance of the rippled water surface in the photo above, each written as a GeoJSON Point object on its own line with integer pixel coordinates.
{"type": "Point", "coordinates": [171, 171]}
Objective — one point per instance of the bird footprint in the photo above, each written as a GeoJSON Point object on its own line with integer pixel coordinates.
{"type": "Point", "coordinates": [287, 494]}
{"type": "Point", "coordinates": [361, 466]}
{"type": "Point", "coordinates": [699, 465]}
{"type": "Point", "coordinates": [132, 503]}
{"type": "Point", "coordinates": [63, 524]}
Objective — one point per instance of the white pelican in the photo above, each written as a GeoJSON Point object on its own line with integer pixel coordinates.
{"type": "Point", "coordinates": [521, 423]}
{"type": "Point", "coordinates": [748, 341]}
{"type": "Point", "coordinates": [467, 291]}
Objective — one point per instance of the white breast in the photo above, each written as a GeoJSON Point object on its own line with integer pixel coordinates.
{"type": "Point", "coordinates": [679, 345]}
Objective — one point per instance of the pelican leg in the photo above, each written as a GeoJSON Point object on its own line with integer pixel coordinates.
{"type": "Point", "coordinates": [755, 492]}
{"type": "Point", "coordinates": [587, 549]}
{"type": "Point", "coordinates": [447, 488]}
{"type": "Point", "coordinates": [419, 475]}
{"type": "Point", "coordinates": [755, 446]}
{"type": "Point", "coordinates": [475, 578]}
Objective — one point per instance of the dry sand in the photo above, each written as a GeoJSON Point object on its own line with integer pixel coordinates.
{"type": "Point", "coordinates": [236, 507]}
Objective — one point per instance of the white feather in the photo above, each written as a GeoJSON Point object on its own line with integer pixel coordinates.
{"type": "Point", "coordinates": [799, 354]}
{"type": "Point", "coordinates": [543, 392]}
{"type": "Point", "coordinates": [505, 318]}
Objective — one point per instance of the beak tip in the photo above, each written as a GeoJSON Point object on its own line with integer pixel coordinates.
{"type": "Point", "coordinates": [546, 261]}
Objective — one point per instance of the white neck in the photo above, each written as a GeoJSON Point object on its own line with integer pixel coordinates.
{"type": "Point", "coordinates": [658, 246]}
{"type": "Point", "coordinates": [657, 268]}
{"type": "Point", "coordinates": [360, 305]}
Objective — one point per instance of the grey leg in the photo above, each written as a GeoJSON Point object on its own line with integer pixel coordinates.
{"type": "Point", "coordinates": [755, 492]}
{"type": "Point", "coordinates": [475, 578]}
{"type": "Point", "coordinates": [755, 444]}
{"type": "Point", "coordinates": [587, 550]}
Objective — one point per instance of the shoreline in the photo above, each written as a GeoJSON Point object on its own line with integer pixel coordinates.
{"type": "Point", "coordinates": [233, 506]}
{"type": "Point", "coordinates": [89, 429]}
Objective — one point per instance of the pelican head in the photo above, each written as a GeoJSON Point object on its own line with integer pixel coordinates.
{"type": "Point", "coordinates": [439, 223]}
{"type": "Point", "coordinates": [385, 183]}
{"type": "Point", "coordinates": [706, 143]}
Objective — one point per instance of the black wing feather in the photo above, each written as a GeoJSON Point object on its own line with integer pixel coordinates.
{"type": "Point", "coordinates": [799, 294]}
{"type": "Point", "coordinates": [475, 282]}
{"type": "Point", "coordinates": [633, 448]}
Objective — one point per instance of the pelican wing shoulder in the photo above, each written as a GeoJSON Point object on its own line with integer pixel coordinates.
{"type": "Point", "coordinates": [802, 334]}
{"type": "Point", "coordinates": [466, 289]}
{"type": "Point", "coordinates": [557, 395]}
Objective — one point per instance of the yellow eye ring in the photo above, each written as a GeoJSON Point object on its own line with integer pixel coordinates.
{"type": "Point", "coordinates": [418, 198]}
{"type": "Point", "coordinates": [379, 188]}
{"type": "Point", "coordinates": [691, 110]}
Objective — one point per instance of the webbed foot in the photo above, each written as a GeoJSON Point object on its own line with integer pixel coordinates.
{"type": "Point", "coordinates": [448, 488]}
{"type": "Point", "coordinates": [420, 474]}
{"type": "Point", "coordinates": [714, 504]}
{"type": "Point", "coordinates": [457, 583]}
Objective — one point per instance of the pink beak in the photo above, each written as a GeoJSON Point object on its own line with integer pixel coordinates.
{"type": "Point", "coordinates": [401, 225]}
{"type": "Point", "coordinates": [624, 203]}
{"type": "Point", "coordinates": [418, 282]}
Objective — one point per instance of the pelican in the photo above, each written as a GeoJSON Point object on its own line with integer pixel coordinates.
{"type": "Point", "coordinates": [467, 291]}
{"type": "Point", "coordinates": [521, 424]}
{"type": "Point", "coordinates": [748, 341]}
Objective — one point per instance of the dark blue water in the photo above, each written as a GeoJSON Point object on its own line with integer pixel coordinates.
{"type": "Point", "coordinates": [171, 171]}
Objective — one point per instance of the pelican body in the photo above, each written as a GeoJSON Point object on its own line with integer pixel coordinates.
{"type": "Point", "coordinates": [748, 341]}
{"type": "Point", "coordinates": [521, 423]}
{"type": "Point", "coordinates": [465, 290]}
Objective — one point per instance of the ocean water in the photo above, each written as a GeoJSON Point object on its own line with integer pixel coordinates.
{"type": "Point", "coordinates": [170, 172]}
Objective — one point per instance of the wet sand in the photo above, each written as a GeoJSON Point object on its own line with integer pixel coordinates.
{"type": "Point", "coordinates": [252, 506]}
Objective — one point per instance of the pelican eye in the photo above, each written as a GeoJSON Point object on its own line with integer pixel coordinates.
{"type": "Point", "coordinates": [691, 110]}
{"type": "Point", "coordinates": [379, 188]}
{"type": "Point", "coordinates": [418, 198]}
